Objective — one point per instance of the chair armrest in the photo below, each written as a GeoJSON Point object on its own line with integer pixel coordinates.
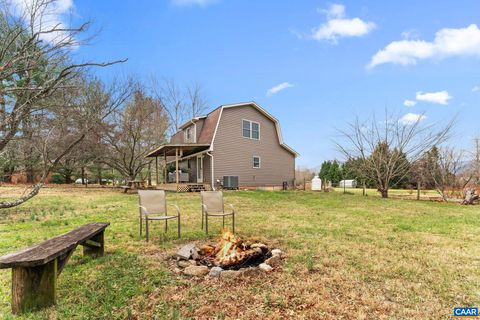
{"type": "Point", "coordinates": [177, 208]}
{"type": "Point", "coordinates": [231, 206]}
{"type": "Point", "coordinates": [144, 210]}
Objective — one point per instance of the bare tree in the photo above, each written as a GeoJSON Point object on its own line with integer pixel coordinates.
{"type": "Point", "coordinates": [445, 167]}
{"type": "Point", "coordinates": [71, 116]}
{"type": "Point", "coordinates": [34, 61]}
{"type": "Point", "coordinates": [475, 162]}
{"type": "Point", "coordinates": [470, 194]}
{"type": "Point", "coordinates": [36, 73]}
{"type": "Point", "coordinates": [171, 97]}
{"type": "Point", "coordinates": [131, 133]}
{"type": "Point", "coordinates": [180, 103]}
{"type": "Point", "coordinates": [196, 102]}
{"type": "Point", "coordinates": [384, 149]}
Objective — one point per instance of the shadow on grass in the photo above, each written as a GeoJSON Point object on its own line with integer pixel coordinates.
{"type": "Point", "coordinates": [104, 288]}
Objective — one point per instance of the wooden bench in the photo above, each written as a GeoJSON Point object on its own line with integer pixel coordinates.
{"type": "Point", "coordinates": [35, 269]}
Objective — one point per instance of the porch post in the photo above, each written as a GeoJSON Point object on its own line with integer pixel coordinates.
{"type": "Point", "coordinates": [165, 173]}
{"type": "Point", "coordinates": [156, 171]}
{"type": "Point", "coordinates": [176, 167]}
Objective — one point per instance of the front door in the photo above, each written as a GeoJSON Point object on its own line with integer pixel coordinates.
{"type": "Point", "coordinates": [199, 169]}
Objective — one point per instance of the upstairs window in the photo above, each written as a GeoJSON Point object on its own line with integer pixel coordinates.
{"type": "Point", "coordinates": [251, 129]}
{"type": "Point", "coordinates": [256, 162]}
{"type": "Point", "coordinates": [188, 134]}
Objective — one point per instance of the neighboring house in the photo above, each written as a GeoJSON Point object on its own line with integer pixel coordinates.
{"type": "Point", "coordinates": [242, 140]}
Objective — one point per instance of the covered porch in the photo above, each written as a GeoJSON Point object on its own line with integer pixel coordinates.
{"type": "Point", "coordinates": [192, 166]}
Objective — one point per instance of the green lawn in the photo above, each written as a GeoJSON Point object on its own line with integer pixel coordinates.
{"type": "Point", "coordinates": [348, 257]}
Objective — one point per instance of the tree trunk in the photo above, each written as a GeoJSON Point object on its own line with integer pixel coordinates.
{"type": "Point", "coordinates": [418, 190]}
{"type": "Point", "coordinates": [83, 175]}
{"type": "Point", "coordinates": [149, 174]}
{"type": "Point", "coordinates": [384, 193]}
{"type": "Point", "coordinates": [470, 197]}
{"type": "Point", "coordinates": [68, 178]}
{"type": "Point", "coordinates": [30, 174]}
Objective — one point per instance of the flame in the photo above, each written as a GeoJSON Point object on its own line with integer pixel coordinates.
{"type": "Point", "coordinates": [230, 249]}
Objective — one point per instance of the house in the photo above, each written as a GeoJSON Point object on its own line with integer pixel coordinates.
{"type": "Point", "coordinates": [241, 140]}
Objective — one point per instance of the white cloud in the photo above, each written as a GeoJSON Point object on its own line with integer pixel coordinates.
{"type": "Point", "coordinates": [334, 11]}
{"type": "Point", "coordinates": [410, 34]}
{"type": "Point", "coordinates": [440, 97]}
{"type": "Point", "coordinates": [337, 26]}
{"type": "Point", "coordinates": [278, 88]}
{"type": "Point", "coordinates": [409, 103]}
{"type": "Point", "coordinates": [412, 118]}
{"type": "Point", "coordinates": [53, 16]}
{"type": "Point", "coordinates": [200, 3]}
{"type": "Point", "coordinates": [447, 42]}
{"type": "Point", "coordinates": [476, 88]}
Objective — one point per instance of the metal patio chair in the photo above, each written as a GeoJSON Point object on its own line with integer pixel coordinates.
{"type": "Point", "coordinates": [153, 206]}
{"type": "Point", "coordinates": [212, 205]}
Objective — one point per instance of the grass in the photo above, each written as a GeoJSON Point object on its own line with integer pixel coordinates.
{"type": "Point", "coordinates": [348, 256]}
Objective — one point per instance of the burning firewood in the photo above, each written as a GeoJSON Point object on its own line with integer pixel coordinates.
{"type": "Point", "coordinates": [230, 251]}
{"type": "Point", "coordinates": [230, 256]}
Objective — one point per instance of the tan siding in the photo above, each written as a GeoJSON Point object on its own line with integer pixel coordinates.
{"type": "Point", "coordinates": [199, 124]}
{"type": "Point", "coordinates": [234, 154]}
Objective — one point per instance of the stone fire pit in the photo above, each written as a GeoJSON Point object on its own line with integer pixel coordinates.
{"type": "Point", "coordinates": [229, 258]}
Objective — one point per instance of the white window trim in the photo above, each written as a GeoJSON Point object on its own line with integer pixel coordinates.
{"type": "Point", "coordinates": [250, 129]}
{"type": "Point", "coordinates": [193, 133]}
{"type": "Point", "coordinates": [259, 162]}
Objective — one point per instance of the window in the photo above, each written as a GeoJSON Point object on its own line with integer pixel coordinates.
{"type": "Point", "coordinates": [188, 134]}
{"type": "Point", "coordinates": [251, 129]}
{"type": "Point", "coordinates": [256, 162]}
{"type": "Point", "coordinates": [246, 129]}
{"type": "Point", "coordinates": [255, 130]}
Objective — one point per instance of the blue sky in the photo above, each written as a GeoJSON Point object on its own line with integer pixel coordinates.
{"type": "Point", "coordinates": [327, 57]}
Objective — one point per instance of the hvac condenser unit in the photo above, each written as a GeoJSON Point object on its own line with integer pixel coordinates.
{"type": "Point", "coordinates": [230, 182]}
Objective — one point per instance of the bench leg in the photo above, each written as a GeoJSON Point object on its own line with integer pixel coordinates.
{"type": "Point", "coordinates": [34, 288]}
{"type": "Point", "coordinates": [92, 250]}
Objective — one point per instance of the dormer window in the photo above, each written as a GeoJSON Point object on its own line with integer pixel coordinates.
{"type": "Point", "coordinates": [251, 129]}
{"type": "Point", "coordinates": [188, 134]}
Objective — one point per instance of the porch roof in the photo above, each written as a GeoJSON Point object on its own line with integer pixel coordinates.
{"type": "Point", "coordinates": [168, 149]}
